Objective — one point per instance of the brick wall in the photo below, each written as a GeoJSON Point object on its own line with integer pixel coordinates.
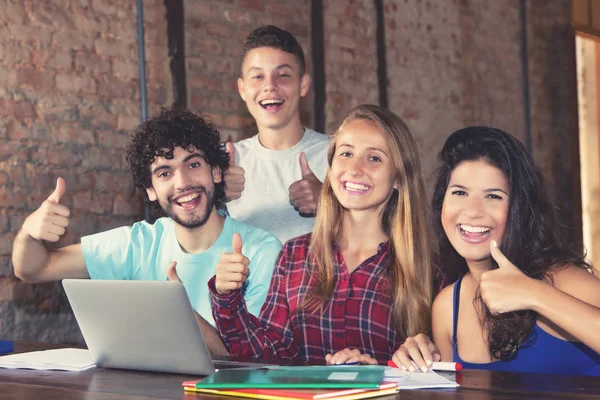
{"type": "Point", "coordinates": [69, 96]}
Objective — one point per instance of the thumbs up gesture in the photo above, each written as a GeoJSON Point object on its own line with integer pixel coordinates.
{"type": "Point", "coordinates": [304, 194]}
{"type": "Point", "coordinates": [232, 269]}
{"type": "Point", "coordinates": [234, 176]}
{"type": "Point", "coordinates": [507, 288]}
{"type": "Point", "coordinates": [49, 222]}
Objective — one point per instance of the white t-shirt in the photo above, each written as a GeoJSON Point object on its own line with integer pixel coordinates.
{"type": "Point", "coordinates": [265, 201]}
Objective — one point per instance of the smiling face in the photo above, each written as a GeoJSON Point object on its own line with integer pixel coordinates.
{"type": "Point", "coordinates": [475, 209]}
{"type": "Point", "coordinates": [184, 186]}
{"type": "Point", "coordinates": [362, 172]}
{"type": "Point", "coordinates": [271, 86]}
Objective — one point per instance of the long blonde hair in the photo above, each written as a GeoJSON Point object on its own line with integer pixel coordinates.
{"type": "Point", "coordinates": [404, 219]}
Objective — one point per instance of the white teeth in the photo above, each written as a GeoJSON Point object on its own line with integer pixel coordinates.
{"type": "Point", "coordinates": [270, 101]}
{"type": "Point", "coordinates": [474, 229]}
{"type": "Point", "coordinates": [187, 198]}
{"type": "Point", "coordinates": [356, 186]}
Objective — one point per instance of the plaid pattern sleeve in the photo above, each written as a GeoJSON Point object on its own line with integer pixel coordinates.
{"type": "Point", "coordinates": [357, 316]}
{"type": "Point", "coordinates": [246, 335]}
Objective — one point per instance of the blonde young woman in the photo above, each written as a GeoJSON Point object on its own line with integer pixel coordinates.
{"type": "Point", "coordinates": [361, 283]}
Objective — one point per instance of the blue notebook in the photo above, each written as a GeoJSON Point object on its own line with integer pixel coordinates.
{"type": "Point", "coordinates": [6, 346]}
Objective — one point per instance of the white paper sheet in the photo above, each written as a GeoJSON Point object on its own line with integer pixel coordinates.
{"type": "Point", "coordinates": [417, 380]}
{"type": "Point", "coordinates": [56, 359]}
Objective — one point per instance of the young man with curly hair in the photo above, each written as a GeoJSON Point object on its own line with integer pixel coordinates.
{"type": "Point", "coordinates": [276, 180]}
{"type": "Point", "coordinates": [178, 159]}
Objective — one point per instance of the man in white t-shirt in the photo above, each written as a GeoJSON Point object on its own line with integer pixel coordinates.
{"type": "Point", "coordinates": [275, 177]}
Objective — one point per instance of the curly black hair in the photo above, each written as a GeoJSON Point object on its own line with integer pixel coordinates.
{"type": "Point", "coordinates": [533, 239]}
{"type": "Point", "coordinates": [277, 38]}
{"type": "Point", "coordinates": [170, 129]}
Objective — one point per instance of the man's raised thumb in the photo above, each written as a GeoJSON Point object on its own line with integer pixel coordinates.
{"type": "Point", "coordinates": [236, 243]}
{"type": "Point", "coordinates": [172, 272]}
{"type": "Point", "coordinates": [230, 149]}
{"type": "Point", "coordinates": [59, 191]}
{"type": "Point", "coordinates": [306, 171]}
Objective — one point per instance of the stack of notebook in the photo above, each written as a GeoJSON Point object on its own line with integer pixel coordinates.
{"type": "Point", "coordinates": [310, 383]}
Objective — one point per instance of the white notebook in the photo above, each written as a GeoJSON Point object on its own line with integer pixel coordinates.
{"type": "Point", "coordinates": [56, 359]}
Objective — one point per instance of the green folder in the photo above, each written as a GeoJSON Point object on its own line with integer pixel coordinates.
{"type": "Point", "coordinates": [313, 377]}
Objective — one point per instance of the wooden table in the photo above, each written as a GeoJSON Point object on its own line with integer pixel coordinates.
{"type": "Point", "coordinates": [113, 384]}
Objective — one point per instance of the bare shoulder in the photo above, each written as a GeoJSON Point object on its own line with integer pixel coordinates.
{"type": "Point", "coordinates": [442, 306]}
{"type": "Point", "coordinates": [578, 282]}
{"type": "Point", "coordinates": [445, 297]}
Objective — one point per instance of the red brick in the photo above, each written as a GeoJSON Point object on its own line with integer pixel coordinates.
{"type": "Point", "coordinates": [115, 89]}
{"type": "Point", "coordinates": [52, 14]}
{"type": "Point", "coordinates": [237, 16]}
{"type": "Point", "coordinates": [14, 198]}
{"type": "Point", "coordinates": [125, 69]}
{"type": "Point", "coordinates": [128, 205]}
{"type": "Point", "coordinates": [13, 53]}
{"type": "Point", "coordinates": [15, 108]}
{"type": "Point", "coordinates": [216, 119]}
{"type": "Point", "coordinates": [127, 123]}
{"type": "Point", "coordinates": [205, 82]}
{"type": "Point", "coordinates": [95, 203]}
{"type": "Point", "coordinates": [37, 34]}
{"type": "Point", "coordinates": [28, 78]}
{"type": "Point", "coordinates": [96, 116]}
{"type": "Point", "coordinates": [156, 95]}
{"type": "Point", "coordinates": [68, 40]}
{"type": "Point", "coordinates": [114, 139]}
{"type": "Point", "coordinates": [53, 113]}
{"type": "Point", "coordinates": [60, 59]}
{"type": "Point", "coordinates": [220, 30]}
{"type": "Point", "coordinates": [74, 135]}
{"type": "Point", "coordinates": [122, 106]}
{"type": "Point", "coordinates": [226, 102]}
{"type": "Point", "coordinates": [14, 289]}
{"type": "Point", "coordinates": [71, 83]}
{"type": "Point", "coordinates": [124, 32]}
{"type": "Point", "coordinates": [108, 7]}
{"type": "Point", "coordinates": [4, 221]}
{"type": "Point", "coordinates": [253, 4]}
{"type": "Point", "coordinates": [199, 10]}
{"type": "Point", "coordinates": [97, 158]}
{"type": "Point", "coordinates": [14, 12]}
{"type": "Point", "coordinates": [201, 46]}
{"type": "Point", "coordinates": [111, 48]}
{"type": "Point", "coordinates": [280, 10]}
{"type": "Point", "coordinates": [89, 22]}
{"type": "Point", "coordinates": [56, 155]}
{"type": "Point", "coordinates": [236, 121]}
{"type": "Point", "coordinates": [159, 73]}
{"type": "Point", "coordinates": [153, 15]}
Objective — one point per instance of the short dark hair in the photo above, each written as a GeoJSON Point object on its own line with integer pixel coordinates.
{"type": "Point", "coordinates": [170, 129]}
{"type": "Point", "coordinates": [277, 38]}
{"type": "Point", "coordinates": [533, 239]}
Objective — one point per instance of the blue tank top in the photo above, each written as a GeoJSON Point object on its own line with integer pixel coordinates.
{"type": "Point", "coordinates": [541, 352]}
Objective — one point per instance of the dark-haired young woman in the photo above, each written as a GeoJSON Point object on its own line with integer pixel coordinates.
{"type": "Point", "coordinates": [525, 300]}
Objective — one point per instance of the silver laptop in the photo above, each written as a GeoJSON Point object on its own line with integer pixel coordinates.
{"type": "Point", "coordinates": [144, 325]}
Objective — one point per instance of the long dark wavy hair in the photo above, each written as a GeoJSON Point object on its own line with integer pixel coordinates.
{"type": "Point", "coordinates": [533, 239]}
{"type": "Point", "coordinates": [159, 136]}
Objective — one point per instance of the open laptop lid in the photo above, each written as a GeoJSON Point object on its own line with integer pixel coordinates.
{"type": "Point", "coordinates": [143, 325]}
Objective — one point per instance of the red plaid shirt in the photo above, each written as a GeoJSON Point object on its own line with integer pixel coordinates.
{"type": "Point", "coordinates": [357, 317]}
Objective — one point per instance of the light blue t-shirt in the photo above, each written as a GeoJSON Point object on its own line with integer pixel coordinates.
{"type": "Point", "coordinates": [144, 251]}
